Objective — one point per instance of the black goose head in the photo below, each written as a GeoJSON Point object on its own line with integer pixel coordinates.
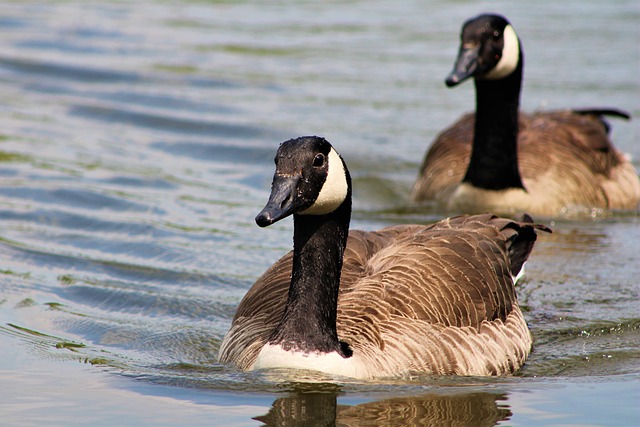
{"type": "Point", "coordinates": [310, 179]}
{"type": "Point", "coordinates": [489, 49]}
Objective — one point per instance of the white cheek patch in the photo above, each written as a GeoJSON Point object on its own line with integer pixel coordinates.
{"type": "Point", "coordinates": [510, 56]}
{"type": "Point", "coordinates": [334, 190]}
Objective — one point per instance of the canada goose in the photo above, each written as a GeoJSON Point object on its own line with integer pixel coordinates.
{"type": "Point", "coordinates": [498, 160]}
{"type": "Point", "coordinates": [436, 299]}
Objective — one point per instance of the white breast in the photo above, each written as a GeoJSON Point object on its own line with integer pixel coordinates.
{"type": "Point", "coordinates": [274, 356]}
{"type": "Point", "coordinates": [469, 198]}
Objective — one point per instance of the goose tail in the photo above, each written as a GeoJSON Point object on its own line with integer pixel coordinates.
{"type": "Point", "coordinates": [520, 242]}
{"type": "Point", "coordinates": [610, 112]}
{"type": "Point", "coordinates": [601, 113]}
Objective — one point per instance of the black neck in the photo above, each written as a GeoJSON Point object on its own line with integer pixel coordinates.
{"type": "Point", "coordinates": [309, 320]}
{"type": "Point", "coordinates": [494, 157]}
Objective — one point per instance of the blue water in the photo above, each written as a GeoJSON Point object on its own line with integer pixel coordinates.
{"type": "Point", "coordinates": [136, 147]}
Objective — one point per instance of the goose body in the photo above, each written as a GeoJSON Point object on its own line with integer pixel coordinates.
{"type": "Point", "coordinates": [436, 299]}
{"type": "Point", "coordinates": [502, 160]}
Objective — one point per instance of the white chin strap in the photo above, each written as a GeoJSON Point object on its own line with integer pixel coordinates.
{"type": "Point", "coordinates": [510, 56]}
{"type": "Point", "coordinates": [334, 190]}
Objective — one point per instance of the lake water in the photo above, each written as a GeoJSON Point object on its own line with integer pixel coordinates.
{"type": "Point", "coordinates": [136, 147]}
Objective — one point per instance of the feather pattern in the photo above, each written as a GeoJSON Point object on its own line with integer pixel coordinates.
{"type": "Point", "coordinates": [565, 160]}
{"type": "Point", "coordinates": [437, 299]}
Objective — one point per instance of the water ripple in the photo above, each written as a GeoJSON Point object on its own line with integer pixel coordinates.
{"type": "Point", "coordinates": [166, 123]}
{"type": "Point", "coordinates": [50, 70]}
{"type": "Point", "coordinates": [78, 198]}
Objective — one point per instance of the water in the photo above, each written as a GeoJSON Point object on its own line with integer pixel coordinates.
{"type": "Point", "coordinates": [136, 146]}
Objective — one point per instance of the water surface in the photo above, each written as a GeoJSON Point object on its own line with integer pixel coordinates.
{"type": "Point", "coordinates": [136, 146]}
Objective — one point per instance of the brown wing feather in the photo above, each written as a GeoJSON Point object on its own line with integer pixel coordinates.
{"type": "Point", "coordinates": [564, 158]}
{"type": "Point", "coordinates": [446, 161]}
{"type": "Point", "coordinates": [570, 157]}
{"type": "Point", "coordinates": [425, 298]}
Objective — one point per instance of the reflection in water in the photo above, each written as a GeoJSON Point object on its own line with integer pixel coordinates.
{"type": "Point", "coordinates": [321, 409]}
{"type": "Point", "coordinates": [568, 239]}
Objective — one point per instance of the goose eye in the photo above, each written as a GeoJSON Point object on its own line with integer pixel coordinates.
{"type": "Point", "coordinates": [318, 160]}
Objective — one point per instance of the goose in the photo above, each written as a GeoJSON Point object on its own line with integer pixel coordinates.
{"type": "Point", "coordinates": [433, 299]}
{"type": "Point", "coordinates": [555, 163]}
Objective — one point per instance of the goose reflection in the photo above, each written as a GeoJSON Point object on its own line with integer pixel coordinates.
{"type": "Point", "coordinates": [433, 409]}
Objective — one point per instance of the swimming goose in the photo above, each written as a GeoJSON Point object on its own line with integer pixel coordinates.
{"type": "Point", "coordinates": [436, 299]}
{"type": "Point", "coordinates": [498, 160]}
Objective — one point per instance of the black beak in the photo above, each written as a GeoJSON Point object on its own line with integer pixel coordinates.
{"type": "Point", "coordinates": [466, 65]}
{"type": "Point", "coordinates": [282, 201]}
